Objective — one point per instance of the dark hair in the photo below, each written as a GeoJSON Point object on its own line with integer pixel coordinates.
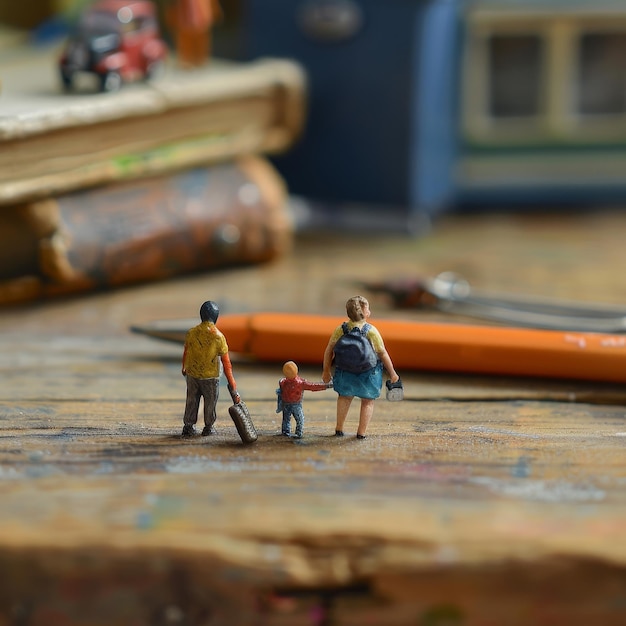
{"type": "Point", "coordinates": [209, 311]}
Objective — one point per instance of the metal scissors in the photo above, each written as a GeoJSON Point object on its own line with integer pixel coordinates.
{"type": "Point", "coordinates": [451, 293]}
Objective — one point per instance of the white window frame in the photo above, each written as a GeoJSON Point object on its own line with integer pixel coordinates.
{"type": "Point", "coordinates": [557, 121]}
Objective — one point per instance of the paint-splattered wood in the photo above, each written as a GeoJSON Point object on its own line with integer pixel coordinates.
{"type": "Point", "coordinates": [474, 501]}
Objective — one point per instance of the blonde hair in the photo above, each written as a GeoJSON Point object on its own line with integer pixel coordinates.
{"type": "Point", "coordinates": [354, 308]}
{"type": "Point", "coordinates": [290, 369]}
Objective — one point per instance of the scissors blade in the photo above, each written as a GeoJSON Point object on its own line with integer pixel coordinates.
{"type": "Point", "coordinates": [451, 293]}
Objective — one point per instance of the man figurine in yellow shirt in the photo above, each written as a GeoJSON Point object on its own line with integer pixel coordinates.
{"type": "Point", "coordinates": [205, 348]}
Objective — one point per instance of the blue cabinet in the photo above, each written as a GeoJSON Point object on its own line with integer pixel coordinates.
{"type": "Point", "coordinates": [382, 74]}
{"type": "Point", "coordinates": [428, 104]}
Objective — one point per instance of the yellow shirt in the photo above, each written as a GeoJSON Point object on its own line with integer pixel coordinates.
{"type": "Point", "coordinates": [204, 345]}
{"type": "Point", "coordinates": [372, 334]}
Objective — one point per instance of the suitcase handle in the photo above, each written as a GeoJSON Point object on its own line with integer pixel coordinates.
{"type": "Point", "coordinates": [234, 395]}
{"type": "Point", "coordinates": [397, 385]}
{"type": "Point", "coordinates": [395, 391]}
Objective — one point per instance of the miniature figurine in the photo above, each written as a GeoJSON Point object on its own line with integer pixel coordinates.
{"type": "Point", "coordinates": [290, 392]}
{"type": "Point", "coordinates": [192, 21]}
{"type": "Point", "coordinates": [205, 347]}
{"type": "Point", "coordinates": [118, 41]}
{"type": "Point", "coordinates": [359, 355]}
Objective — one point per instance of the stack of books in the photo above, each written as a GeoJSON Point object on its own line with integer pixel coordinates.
{"type": "Point", "coordinates": [160, 178]}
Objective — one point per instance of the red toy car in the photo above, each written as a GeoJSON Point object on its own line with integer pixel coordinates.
{"type": "Point", "coordinates": [117, 40]}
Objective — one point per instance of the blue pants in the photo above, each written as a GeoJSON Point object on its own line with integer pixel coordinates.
{"type": "Point", "coordinates": [295, 409]}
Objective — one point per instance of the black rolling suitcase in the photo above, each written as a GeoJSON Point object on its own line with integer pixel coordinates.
{"type": "Point", "coordinates": [243, 422]}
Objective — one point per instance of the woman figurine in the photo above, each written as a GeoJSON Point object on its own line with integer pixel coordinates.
{"type": "Point", "coordinates": [359, 355]}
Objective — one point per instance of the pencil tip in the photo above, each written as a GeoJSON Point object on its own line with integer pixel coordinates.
{"type": "Point", "coordinates": [165, 331]}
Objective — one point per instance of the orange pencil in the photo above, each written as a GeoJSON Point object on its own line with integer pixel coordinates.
{"type": "Point", "coordinates": [436, 347]}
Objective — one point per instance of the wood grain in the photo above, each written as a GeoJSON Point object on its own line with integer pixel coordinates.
{"type": "Point", "coordinates": [477, 500]}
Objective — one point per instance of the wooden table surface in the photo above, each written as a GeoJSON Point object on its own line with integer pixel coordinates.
{"type": "Point", "coordinates": [477, 500]}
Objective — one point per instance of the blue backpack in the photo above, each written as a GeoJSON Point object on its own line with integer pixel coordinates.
{"type": "Point", "coordinates": [354, 351]}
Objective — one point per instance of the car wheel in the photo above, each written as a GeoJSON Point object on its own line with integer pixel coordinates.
{"type": "Point", "coordinates": [66, 80]}
{"type": "Point", "coordinates": [111, 81]}
{"type": "Point", "coordinates": [155, 70]}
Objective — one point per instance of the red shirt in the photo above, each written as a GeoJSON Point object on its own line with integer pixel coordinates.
{"type": "Point", "coordinates": [292, 389]}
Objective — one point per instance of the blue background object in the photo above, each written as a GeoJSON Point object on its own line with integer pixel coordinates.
{"type": "Point", "coordinates": [381, 126]}
{"type": "Point", "coordinates": [424, 104]}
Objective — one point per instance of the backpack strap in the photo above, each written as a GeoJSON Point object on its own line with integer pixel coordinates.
{"type": "Point", "coordinates": [363, 330]}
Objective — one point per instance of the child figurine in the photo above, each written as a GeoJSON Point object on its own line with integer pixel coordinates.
{"type": "Point", "coordinates": [205, 347]}
{"type": "Point", "coordinates": [291, 389]}
{"type": "Point", "coordinates": [360, 355]}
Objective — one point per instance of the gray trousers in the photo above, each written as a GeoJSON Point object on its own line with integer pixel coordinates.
{"type": "Point", "coordinates": [207, 388]}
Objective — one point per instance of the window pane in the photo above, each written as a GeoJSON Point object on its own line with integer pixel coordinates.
{"type": "Point", "coordinates": [515, 75]}
{"type": "Point", "coordinates": [602, 74]}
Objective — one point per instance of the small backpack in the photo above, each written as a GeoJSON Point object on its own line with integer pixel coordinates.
{"type": "Point", "coordinates": [354, 351]}
{"type": "Point", "coordinates": [279, 400]}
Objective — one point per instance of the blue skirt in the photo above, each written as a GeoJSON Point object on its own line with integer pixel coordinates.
{"type": "Point", "coordinates": [364, 385]}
